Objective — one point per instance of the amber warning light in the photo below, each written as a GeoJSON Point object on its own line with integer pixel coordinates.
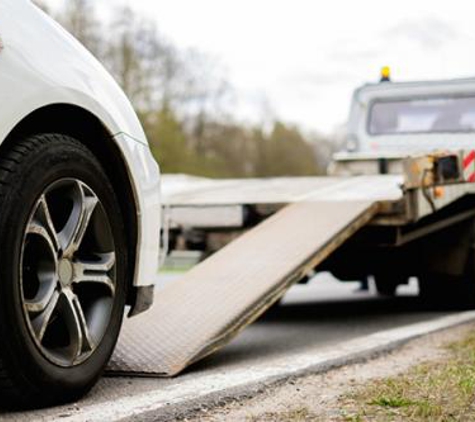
{"type": "Point", "coordinates": [385, 74]}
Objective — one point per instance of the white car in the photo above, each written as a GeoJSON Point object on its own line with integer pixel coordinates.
{"type": "Point", "coordinates": [79, 211]}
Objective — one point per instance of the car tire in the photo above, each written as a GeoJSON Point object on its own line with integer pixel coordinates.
{"type": "Point", "coordinates": [63, 272]}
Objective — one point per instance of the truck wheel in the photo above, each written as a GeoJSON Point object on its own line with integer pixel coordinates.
{"type": "Point", "coordinates": [63, 275]}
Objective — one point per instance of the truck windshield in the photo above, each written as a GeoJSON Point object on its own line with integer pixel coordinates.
{"type": "Point", "coordinates": [430, 115]}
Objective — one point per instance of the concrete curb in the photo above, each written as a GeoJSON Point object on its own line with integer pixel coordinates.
{"type": "Point", "coordinates": [210, 390]}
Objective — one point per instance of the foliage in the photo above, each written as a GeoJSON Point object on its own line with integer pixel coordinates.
{"type": "Point", "coordinates": [185, 102]}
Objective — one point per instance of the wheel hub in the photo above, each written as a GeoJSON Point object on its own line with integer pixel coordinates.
{"type": "Point", "coordinates": [65, 272]}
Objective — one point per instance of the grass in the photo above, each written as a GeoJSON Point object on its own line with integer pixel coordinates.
{"type": "Point", "coordinates": [437, 391]}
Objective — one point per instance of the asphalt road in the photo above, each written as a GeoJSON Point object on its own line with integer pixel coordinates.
{"type": "Point", "coordinates": [322, 313]}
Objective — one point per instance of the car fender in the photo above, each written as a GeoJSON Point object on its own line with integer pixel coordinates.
{"type": "Point", "coordinates": [41, 64]}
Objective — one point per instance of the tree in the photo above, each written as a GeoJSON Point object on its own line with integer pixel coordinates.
{"type": "Point", "coordinates": [288, 153]}
{"type": "Point", "coordinates": [135, 56]}
{"type": "Point", "coordinates": [167, 141]}
{"type": "Point", "coordinates": [80, 18]}
{"type": "Point", "coordinates": [169, 145]}
{"type": "Point", "coordinates": [183, 100]}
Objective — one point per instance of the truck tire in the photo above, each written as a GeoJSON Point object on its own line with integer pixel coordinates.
{"type": "Point", "coordinates": [63, 272]}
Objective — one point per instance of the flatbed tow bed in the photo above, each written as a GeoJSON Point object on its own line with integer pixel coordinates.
{"type": "Point", "coordinates": [352, 226]}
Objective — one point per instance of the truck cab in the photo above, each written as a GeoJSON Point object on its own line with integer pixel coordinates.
{"type": "Point", "coordinates": [390, 120]}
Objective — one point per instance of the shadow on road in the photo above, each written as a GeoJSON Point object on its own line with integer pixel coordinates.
{"type": "Point", "coordinates": [295, 327]}
{"type": "Point", "coordinates": [341, 309]}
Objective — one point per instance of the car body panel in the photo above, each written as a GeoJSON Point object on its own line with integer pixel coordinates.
{"type": "Point", "coordinates": [41, 65]}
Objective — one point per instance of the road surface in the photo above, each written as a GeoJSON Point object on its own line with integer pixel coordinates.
{"type": "Point", "coordinates": [318, 315]}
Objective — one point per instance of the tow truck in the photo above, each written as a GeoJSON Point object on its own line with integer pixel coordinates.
{"type": "Point", "coordinates": [399, 203]}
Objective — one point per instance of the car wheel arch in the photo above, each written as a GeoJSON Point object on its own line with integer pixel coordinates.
{"type": "Point", "coordinates": [87, 128]}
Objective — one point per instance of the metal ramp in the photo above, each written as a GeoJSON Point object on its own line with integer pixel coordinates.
{"type": "Point", "coordinates": [218, 298]}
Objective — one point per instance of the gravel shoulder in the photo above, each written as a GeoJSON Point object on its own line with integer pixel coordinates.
{"type": "Point", "coordinates": [342, 394]}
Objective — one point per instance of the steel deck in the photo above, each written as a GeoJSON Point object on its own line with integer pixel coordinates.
{"type": "Point", "coordinates": [219, 297]}
{"type": "Point", "coordinates": [181, 190]}
{"type": "Point", "coordinates": [194, 202]}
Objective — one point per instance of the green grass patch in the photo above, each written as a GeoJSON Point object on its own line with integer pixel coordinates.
{"type": "Point", "coordinates": [437, 391]}
{"type": "Point", "coordinates": [391, 401]}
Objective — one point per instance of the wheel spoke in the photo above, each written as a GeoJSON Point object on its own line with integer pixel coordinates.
{"type": "Point", "coordinates": [88, 343]}
{"type": "Point", "coordinates": [43, 224]}
{"type": "Point", "coordinates": [72, 235]}
{"type": "Point", "coordinates": [40, 323]}
{"type": "Point", "coordinates": [77, 325]}
{"type": "Point", "coordinates": [95, 271]}
{"type": "Point", "coordinates": [36, 228]}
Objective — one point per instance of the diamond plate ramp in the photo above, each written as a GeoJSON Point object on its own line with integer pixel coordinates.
{"type": "Point", "coordinates": [199, 313]}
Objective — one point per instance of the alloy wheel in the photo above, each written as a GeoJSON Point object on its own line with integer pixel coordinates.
{"type": "Point", "coordinates": [67, 274]}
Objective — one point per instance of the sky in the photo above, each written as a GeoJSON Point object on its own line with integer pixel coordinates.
{"type": "Point", "coordinates": [301, 59]}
